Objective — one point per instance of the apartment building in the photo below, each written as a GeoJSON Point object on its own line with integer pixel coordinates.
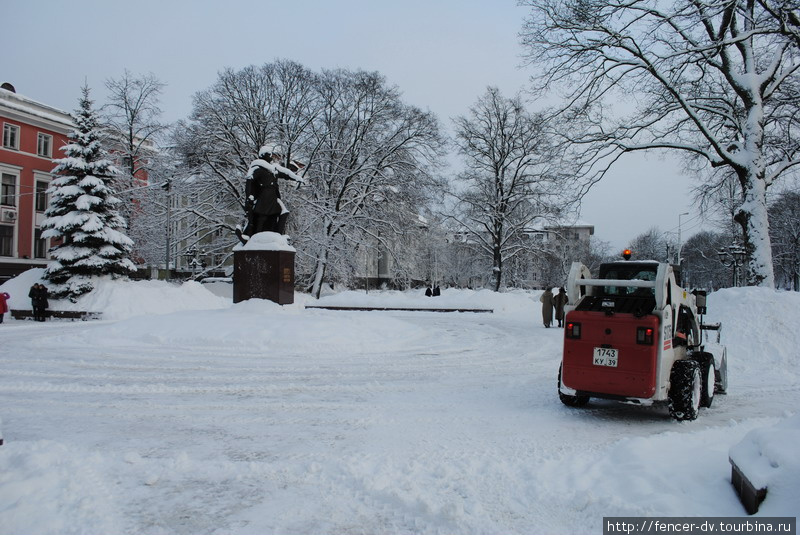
{"type": "Point", "coordinates": [33, 133]}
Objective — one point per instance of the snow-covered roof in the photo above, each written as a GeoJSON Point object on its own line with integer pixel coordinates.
{"type": "Point", "coordinates": [570, 225]}
{"type": "Point", "coordinates": [22, 108]}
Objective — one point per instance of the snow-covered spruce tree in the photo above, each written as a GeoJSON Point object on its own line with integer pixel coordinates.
{"type": "Point", "coordinates": [82, 215]}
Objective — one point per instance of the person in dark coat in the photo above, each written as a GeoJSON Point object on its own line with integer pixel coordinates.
{"type": "Point", "coordinates": [4, 297]}
{"type": "Point", "coordinates": [559, 302]}
{"type": "Point", "coordinates": [547, 307]}
{"type": "Point", "coordinates": [265, 210]}
{"type": "Point", "coordinates": [39, 302]}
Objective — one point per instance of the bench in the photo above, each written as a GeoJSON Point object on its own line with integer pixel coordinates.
{"type": "Point", "coordinates": [749, 495]}
{"type": "Point", "coordinates": [82, 315]}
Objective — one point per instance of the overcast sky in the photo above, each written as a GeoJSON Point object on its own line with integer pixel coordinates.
{"type": "Point", "coordinates": [442, 54]}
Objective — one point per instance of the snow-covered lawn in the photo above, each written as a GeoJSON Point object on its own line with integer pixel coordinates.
{"type": "Point", "coordinates": [181, 413]}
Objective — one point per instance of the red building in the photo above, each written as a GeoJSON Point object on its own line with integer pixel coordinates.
{"type": "Point", "coordinates": [33, 134]}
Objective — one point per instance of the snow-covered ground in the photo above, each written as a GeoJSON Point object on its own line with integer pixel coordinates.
{"type": "Point", "coordinates": [182, 413]}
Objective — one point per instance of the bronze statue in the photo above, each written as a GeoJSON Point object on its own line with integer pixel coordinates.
{"type": "Point", "coordinates": [263, 206]}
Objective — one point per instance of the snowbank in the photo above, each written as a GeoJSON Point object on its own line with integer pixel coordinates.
{"type": "Point", "coordinates": [759, 328]}
{"type": "Point", "coordinates": [255, 324]}
{"type": "Point", "coordinates": [121, 299]}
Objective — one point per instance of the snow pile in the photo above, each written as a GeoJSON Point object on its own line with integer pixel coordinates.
{"type": "Point", "coordinates": [759, 328]}
{"type": "Point", "coordinates": [258, 323]}
{"type": "Point", "coordinates": [768, 458]}
{"type": "Point", "coordinates": [117, 299]}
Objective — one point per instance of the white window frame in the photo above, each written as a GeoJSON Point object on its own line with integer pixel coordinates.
{"type": "Point", "coordinates": [15, 174]}
{"type": "Point", "coordinates": [36, 180]}
{"type": "Point", "coordinates": [7, 129]}
{"type": "Point", "coordinates": [13, 241]}
{"type": "Point", "coordinates": [46, 245]}
{"type": "Point", "coordinates": [48, 139]}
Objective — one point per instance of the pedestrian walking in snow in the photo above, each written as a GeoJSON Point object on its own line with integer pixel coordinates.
{"type": "Point", "coordinates": [4, 297]}
{"type": "Point", "coordinates": [39, 301]}
{"type": "Point", "coordinates": [560, 301]}
{"type": "Point", "coordinates": [547, 307]}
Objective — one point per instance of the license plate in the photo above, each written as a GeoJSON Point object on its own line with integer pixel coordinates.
{"type": "Point", "coordinates": [604, 356]}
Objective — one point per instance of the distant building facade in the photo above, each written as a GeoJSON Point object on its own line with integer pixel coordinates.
{"type": "Point", "coordinates": [542, 257]}
{"type": "Point", "coordinates": [33, 134]}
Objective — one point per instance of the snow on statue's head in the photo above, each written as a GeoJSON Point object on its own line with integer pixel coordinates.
{"type": "Point", "coordinates": [266, 152]}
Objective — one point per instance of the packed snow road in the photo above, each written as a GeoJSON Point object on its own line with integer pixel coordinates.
{"type": "Point", "coordinates": [257, 419]}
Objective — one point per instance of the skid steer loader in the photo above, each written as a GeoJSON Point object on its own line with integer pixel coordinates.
{"type": "Point", "coordinates": [634, 335]}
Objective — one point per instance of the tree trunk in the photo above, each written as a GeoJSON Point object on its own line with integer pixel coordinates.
{"type": "Point", "coordinates": [753, 218]}
{"type": "Point", "coordinates": [497, 269]}
{"type": "Point", "coordinates": [319, 275]}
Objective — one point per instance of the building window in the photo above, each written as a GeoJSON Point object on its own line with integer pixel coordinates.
{"type": "Point", "coordinates": [44, 145]}
{"type": "Point", "coordinates": [11, 136]}
{"type": "Point", "coordinates": [8, 191]}
{"type": "Point", "coordinates": [39, 244]}
{"type": "Point", "coordinates": [6, 240]}
{"type": "Point", "coordinates": [41, 195]}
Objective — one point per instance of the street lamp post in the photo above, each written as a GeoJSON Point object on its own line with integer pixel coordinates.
{"type": "Point", "coordinates": [189, 255]}
{"type": "Point", "coordinates": [167, 186]}
{"type": "Point", "coordinates": [680, 243]}
{"type": "Point", "coordinates": [733, 257]}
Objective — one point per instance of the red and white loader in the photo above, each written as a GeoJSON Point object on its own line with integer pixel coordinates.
{"type": "Point", "coordinates": [635, 335]}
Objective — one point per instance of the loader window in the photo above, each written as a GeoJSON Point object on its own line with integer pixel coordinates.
{"type": "Point", "coordinates": [683, 328]}
{"type": "Point", "coordinates": [629, 272]}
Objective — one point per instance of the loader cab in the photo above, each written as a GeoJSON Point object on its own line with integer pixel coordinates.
{"type": "Point", "coordinates": [620, 298]}
{"type": "Point", "coordinates": [645, 271]}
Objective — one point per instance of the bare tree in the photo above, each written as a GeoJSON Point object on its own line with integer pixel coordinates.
{"type": "Point", "coordinates": [371, 160]}
{"type": "Point", "coordinates": [230, 121]}
{"type": "Point", "coordinates": [511, 179]}
{"type": "Point", "coordinates": [368, 160]}
{"type": "Point", "coordinates": [701, 265]}
{"type": "Point", "coordinates": [132, 121]}
{"type": "Point", "coordinates": [787, 14]}
{"type": "Point", "coordinates": [785, 230]}
{"type": "Point", "coordinates": [132, 117]}
{"type": "Point", "coordinates": [713, 79]}
{"type": "Point", "coordinates": [652, 245]}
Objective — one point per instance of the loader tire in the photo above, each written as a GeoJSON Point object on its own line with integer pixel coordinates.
{"type": "Point", "coordinates": [706, 362]}
{"type": "Point", "coordinates": [568, 400]}
{"type": "Point", "coordinates": [685, 390]}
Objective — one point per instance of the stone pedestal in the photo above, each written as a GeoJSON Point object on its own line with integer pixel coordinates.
{"type": "Point", "coordinates": [260, 274]}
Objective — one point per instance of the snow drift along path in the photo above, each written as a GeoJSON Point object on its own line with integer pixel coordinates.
{"type": "Point", "coordinates": [255, 418]}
